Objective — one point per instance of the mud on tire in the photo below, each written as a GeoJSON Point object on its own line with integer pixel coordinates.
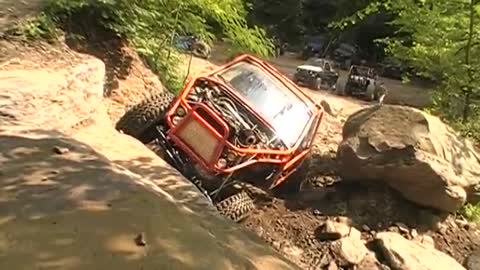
{"type": "Point", "coordinates": [144, 115]}
{"type": "Point", "coordinates": [236, 207]}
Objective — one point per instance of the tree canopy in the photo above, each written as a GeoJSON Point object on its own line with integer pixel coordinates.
{"type": "Point", "coordinates": [440, 39]}
{"type": "Point", "coordinates": [149, 25]}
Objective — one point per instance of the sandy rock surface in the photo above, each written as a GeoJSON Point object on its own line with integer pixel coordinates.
{"type": "Point", "coordinates": [57, 97]}
{"type": "Point", "coordinates": [66, 206]}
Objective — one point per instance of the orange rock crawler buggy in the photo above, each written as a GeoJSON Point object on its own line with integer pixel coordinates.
{"type": "Point", "coordinates": [242, 124]}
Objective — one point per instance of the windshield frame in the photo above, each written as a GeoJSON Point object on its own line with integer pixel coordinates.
{"type": "Point", "coordinates": [316, 62]}
{"type": "Point", "coordinates": [284, 90]}
{"type": "Point", "coordinates": [364, 71]}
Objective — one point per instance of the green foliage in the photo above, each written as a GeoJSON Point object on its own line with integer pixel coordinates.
{"type": "Point", "coordinates": [39, 27]}
{"type": "Point", "coordinates": [150, 26]}
{"type": "Point", "coordinates": [440, 40]}
{"type": "Point", "coordinates": [290, 20]}
{"type": "Point", "coordinates": [471, 212]}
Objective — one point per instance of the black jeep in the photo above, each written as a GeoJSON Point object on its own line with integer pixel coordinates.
{"type": "Point", "coordinates": [362, 81]}
{"type": "Point", "coordinates": [315, 73]}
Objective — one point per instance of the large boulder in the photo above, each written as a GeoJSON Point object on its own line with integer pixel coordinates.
{"type": "Point", "coordinates": [63, 205]}
{"type": "Point", "coordinates": [413, 152]}
{"type": "Point", "coordinates": [401, 253]}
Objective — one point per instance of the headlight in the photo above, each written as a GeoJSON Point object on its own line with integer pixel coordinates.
{"type": "Point", "coordinates": [231, 157]}
{"type": "Point", "coordinates": [180, 111]}
{"type": "Point", "coordinates": [176, 120]}
{"type": "Point", "coordinates": [221, 163]}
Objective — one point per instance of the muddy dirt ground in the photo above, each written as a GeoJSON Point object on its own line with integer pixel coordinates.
{"type": "Point", "coordinates": [291, 225]}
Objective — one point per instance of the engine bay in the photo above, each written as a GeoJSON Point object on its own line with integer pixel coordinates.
{"type": "Point", "coordinates": [246, 130]}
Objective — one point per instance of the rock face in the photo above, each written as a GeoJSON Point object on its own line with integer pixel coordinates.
{"type": "Point", "coordinates": [413, 152]}
{"type": "Point", "coordinates": [54, 98]}
{"type": "Point", "coordinates": [347, 245]}
{"type": "Point", "coordinates": [411, 255]}
{"type": "Point", "coordinates": [76, 209]}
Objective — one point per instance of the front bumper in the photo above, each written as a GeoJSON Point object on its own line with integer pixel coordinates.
{"type": "Point", "coordinates": [303, 79]}
{"type": "Point", "coordinates": [356, 88]}
{"type": "Point", "coordinates": [202, 135]}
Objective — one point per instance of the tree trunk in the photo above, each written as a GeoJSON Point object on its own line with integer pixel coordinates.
{"type": "Point", "coordinates": [468, 92]}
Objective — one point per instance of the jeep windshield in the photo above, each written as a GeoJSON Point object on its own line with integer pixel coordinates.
{"type": "Point", "coordinates": [287, 113]}
{"type": "Point", "coordinates": [317, 62]}
{"type": "Point", "coordinates": [362, 71]}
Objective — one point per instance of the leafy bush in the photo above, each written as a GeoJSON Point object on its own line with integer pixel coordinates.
{"type": "Point", "coordinates": [39, 27]}
{"type": "Point", "coordinates": [471, 212]}
{"type": "Point", "coordinates": [150, 26]}
{"type": "Point", "coordinates": [440, 40]}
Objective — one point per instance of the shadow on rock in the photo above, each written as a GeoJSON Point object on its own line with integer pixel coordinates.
{"type": "Point", "coordinates": [373, 206]}
{"type": "Point", "coordinates": [63, 205]}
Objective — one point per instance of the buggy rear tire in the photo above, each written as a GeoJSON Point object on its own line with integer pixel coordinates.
{"type": "Point", "coordinates": [294, 183]}
{"type": "Point", "coordinates": [236, 207]}
{"type": "Point", "coordinates": [143, 116]}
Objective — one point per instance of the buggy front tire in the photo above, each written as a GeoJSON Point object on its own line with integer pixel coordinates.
{"type": "Point", "coordinates": [294, 183]}
{"type": "Point", "coordinates": [145, 115]}
{"type": "Point", "coordinates": [236, 207]}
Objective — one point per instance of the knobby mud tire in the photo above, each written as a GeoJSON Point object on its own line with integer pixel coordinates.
{"type": "Point", "coordinates": [146, 114]}
{"type": "Point", "coordinates": [340, 88]}
{"type": "Point", "coordinates": [236, 207]}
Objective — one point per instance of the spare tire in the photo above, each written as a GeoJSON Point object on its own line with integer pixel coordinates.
{"type": "Point", "coordinates": [141, 117]}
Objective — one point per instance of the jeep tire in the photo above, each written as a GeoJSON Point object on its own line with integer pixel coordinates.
{"type": "Point", "coordinates": [145, 115]}
{"type": "Point", "coordinates": [236, 207]}
{"type": "Point", "coordinates": [340, 87]}
{"type": "Point", "coordinates": [370, 94]}
{"type": "Point", "coordinates": [317, 84]}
